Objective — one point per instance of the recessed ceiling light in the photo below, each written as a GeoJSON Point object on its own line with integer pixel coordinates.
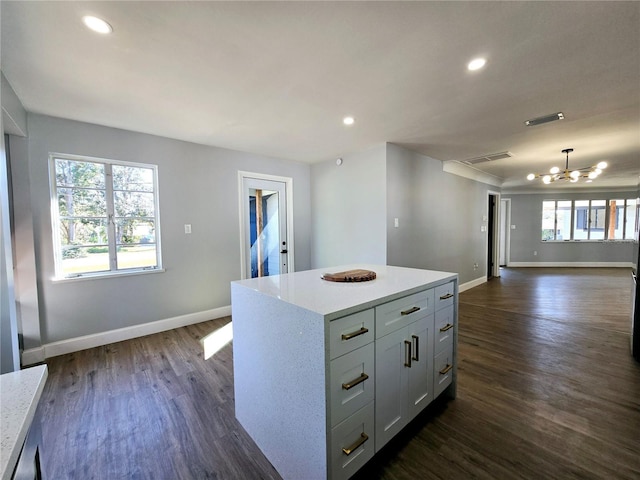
{"type": "Point", "coordinates": [348, 120]}
{"type": "Point", "coordinates": [476, 64]}
{"type": "Point", "coordinates": [97, 24]}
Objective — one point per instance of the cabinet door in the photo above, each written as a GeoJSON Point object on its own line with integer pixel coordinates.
{"type": "Point", "coordinates": [420, 373]}
{"type": "Point", "coordinates": [391, 385]}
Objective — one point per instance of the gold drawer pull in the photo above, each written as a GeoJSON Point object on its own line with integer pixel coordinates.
{"type": "Point", "coordinates": [416, 348]}
{"type": "Point", "coordinates": [446, 369]}
{"type": "Point", "coordinates": [448, 326]}
{"type": "Point", "coordinates": [448, 295]}
{"type": "Point", "coordinates": [353, 383]}
{"type": "Point", "coordinates": [410, 311]}
{"type": "Point", "coordinates": [407, 357]}
{"type": "Point", "coordinates": [349, 336]}
{"type": "Point", "coordinates": [363, 438]}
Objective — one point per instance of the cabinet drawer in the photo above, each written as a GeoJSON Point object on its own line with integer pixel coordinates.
{"type": "Point", "coordinates": [350, 332]}
{"type": "Point", "coordinates": [352, 443]}
{"type": "Point", "coordinates": [401, 312]}
{"type": "Point", "coordinates": [445, 325]}
{"type": "Point", "coordinates": [445, 295]}
{"type": "Point", "coordinates": [443, 371]}
{"type": "Point", "coordinates": [352, 382]}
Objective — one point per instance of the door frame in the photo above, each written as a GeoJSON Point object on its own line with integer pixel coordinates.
{"type": "Point", "coordinates": [505, 230]}
{"type": "Point", "coordinates": [495, 230]}
{"type": "Point", "coordinates": [244, 222]}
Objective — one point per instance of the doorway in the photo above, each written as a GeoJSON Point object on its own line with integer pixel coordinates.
{"type": "Point", "coordinates": [493, 243]}
{"type": "Point", "coordinates": [265, 230]}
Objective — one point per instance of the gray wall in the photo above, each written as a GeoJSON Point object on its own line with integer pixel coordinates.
{"type": "Point", "coordinates": [439, 216]}
{"type": "Point", "coordinates": [349, 210]}
{"type": "Point", "coordinates": [197, 185]}
{"type": "Point", "coordinates": [526, 215]}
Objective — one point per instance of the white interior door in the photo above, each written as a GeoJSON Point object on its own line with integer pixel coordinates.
{"type": "Point", "coordinates": [264, 229]}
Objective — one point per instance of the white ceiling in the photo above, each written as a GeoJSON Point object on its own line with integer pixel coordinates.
{"type": "Point", "coordinates": [276, 78]}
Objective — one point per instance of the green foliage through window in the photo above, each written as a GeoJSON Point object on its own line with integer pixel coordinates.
{"type": "Point", "coordinates": [106, 218]}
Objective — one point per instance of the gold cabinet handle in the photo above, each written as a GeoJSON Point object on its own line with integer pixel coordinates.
{"type": "Point", "coordinates": [348, 386]}
{"type": "Point", "coordinates": [349, 336]}
{"type": "Point", "coordinates": [407, 348]}
{"type": "Point", "coordinates": [448, 326]}
{"type": "Point", "coordinates": [448, 295]}
{"type": "Point", "coordinates": [410, 311]}
{"type": "Point", "coordinates": [363, 438]}
{"type": "Point", "coordinates": [417, 340]}
{"type": "Point", "coordinates": [446, 369]}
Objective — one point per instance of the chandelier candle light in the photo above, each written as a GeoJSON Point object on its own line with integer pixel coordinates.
{"type": "Point", "coordinates": [555, 174]}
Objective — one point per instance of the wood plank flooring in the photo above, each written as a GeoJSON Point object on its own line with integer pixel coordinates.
{"type": "Point", "coordinates": [546, 389]}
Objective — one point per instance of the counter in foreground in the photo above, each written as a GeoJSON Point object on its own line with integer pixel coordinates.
{"type": "Point", "coordinates": [326, 373]}
{"type": "Point", "coordinates": [20, 393]}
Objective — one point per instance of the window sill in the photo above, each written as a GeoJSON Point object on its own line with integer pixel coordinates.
{"type": "Point", "coordinates": [104, 275]}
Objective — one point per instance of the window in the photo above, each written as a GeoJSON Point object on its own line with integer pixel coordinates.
{"type": "Point", "coordinates": [592, 219]}
{"type": "Point", "coordinates": [556, 220]}
{"type": "Point", "coordinates": [105, 216]}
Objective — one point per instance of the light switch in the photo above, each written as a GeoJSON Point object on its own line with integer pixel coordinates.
{"type": "Point", "coordinates": [513, 227]}
{"type": "Point", "coordinates": [187, 228]}
{"type": "Point", "coordinates": [395, 222]}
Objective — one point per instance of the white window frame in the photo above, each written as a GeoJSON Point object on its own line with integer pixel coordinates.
{"type": "Point", "coordinates": [55, 219]}
{"type": "Point", "coordinates": [589, 220]}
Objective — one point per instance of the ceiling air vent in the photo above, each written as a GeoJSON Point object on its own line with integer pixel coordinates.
{"type": "Point", "coordinates": [488, 158]}
{"type": "Point", "coordinates": [546, 119]}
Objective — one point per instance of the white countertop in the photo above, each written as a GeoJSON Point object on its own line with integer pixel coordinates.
{"type": "Point", "coordinates": [19, 395]}
{"type": "Point", "coordinates": [307, 289]}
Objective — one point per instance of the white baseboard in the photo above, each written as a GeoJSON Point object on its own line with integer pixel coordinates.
{"type": "Point", "coordinates": [471, 284]}
{"type": "Point", "coordinates": [62, 347]}
{"type": "Point", "coordinates": [572, 264]}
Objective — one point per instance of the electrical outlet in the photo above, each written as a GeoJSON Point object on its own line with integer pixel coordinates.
{"type": "Point", "coordinates": [535, 252]}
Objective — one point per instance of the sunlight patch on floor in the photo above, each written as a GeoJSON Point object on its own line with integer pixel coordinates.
{"type": "Point", "coordinates": [216, 340]}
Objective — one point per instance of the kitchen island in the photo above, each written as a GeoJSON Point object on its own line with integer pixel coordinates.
{"type": "Point", "coordinates": [327, 373]}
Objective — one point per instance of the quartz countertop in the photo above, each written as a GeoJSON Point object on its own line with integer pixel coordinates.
{"type": "Point", "coordinates": [20, 392]}
{"type": "Point", "coordinates": [307, 289]}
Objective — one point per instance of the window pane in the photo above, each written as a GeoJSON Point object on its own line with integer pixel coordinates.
{"type": "Point", "coordinates": [631, 221]}
{"type": "Point", "coordinates": [598, 217]}
{"type": "Point", "coordinates": [79, 174]}
{"type": "Point", "coordinates": [132, 178]}
{"type": "Point", "coordinates": [616, 219]}
{"type": "Point", "coordinates": [83, 232]}
{"type": "Point", "coordinates": [563, 220]}
{"type": "Point", "coordinates": [581, 220]}
{"type": "Point", "coordinates": [137, 256]}
{"type": "Point", "coordinates": [77, 260]}
{"type": "Point", "coordinates": [134, 204]}
{"type": "Point", "coordinates": [132, 231]}
{"type": "Point", "coordinates": [548, 219]}
{"type": "Point", "coordinates": [73, 202]}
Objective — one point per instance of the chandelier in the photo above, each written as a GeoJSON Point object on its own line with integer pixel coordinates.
{"type": "Point", "coordinates": [556, 175]}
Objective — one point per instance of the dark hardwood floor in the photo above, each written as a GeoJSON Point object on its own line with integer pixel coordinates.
{"type": "Point", "coordinates": [546, 389]}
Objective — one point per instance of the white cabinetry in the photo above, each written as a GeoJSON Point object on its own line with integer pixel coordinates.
{"type": "Point", "coordinates": [319, 368]}
{"type": "Point", "coordinates": [352, 390]}
{"type": "Point", "coordinates": [404, 362]}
